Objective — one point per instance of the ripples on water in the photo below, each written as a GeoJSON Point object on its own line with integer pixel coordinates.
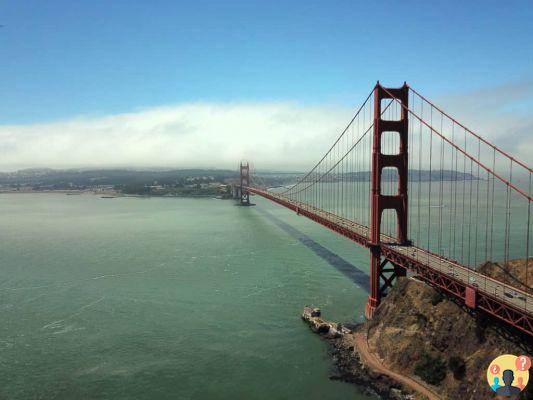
{"type": "Point", "coordinates": [168, 299]}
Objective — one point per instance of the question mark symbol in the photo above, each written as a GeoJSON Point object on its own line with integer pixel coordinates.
{"type": "Point", "coordinates": [523, 363]}
{"type": "Point", "coordinates": [495, 369]}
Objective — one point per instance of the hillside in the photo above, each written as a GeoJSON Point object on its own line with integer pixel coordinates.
{"type": "Point", "coordinates": [512, 273]}
{"type": "Point", "coordinates": [90, 177]}
{"type": "Point", "coordinates": [416, 331]}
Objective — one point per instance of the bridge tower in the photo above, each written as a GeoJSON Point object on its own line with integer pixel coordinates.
{"type": "Point", "coordinates": [382, 276]}
{"type": "Point", "coordinates": [245, 182]}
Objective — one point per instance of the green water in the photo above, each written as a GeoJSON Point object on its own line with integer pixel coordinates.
{"type": "Point", "coordinates": [156, 298]}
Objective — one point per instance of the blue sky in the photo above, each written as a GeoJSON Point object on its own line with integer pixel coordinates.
{"type": "Point", "coordinates": [119, 83]}
{"type": "Point", "coordinates": [65, 58]}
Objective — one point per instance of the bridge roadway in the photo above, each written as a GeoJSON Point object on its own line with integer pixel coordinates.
{"type": "Point", "coordinates": [490, 295]}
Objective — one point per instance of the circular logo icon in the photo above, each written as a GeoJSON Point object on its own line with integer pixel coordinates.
{"type": "Point", "coordinates": [508, 375]}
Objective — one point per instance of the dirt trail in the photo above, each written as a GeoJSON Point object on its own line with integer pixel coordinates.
{"type": "Point", "coordinates": [372, 361]}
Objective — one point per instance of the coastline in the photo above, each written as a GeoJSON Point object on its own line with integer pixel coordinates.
{"type": "Point", "coordinates": [355, 363]}
{"type": "Point", "coordinates": [411, 348]}
{"type": "Point", "coordinates": [111, 195]}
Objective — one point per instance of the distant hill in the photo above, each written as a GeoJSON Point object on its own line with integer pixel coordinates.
{"type": "Point", "coordinates": [389, 175]}
{"type": "Point", "coordinates": [48, 177]}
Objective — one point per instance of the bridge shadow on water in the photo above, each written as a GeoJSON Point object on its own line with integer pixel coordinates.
{"type": "Point", "coordinates": [353, 273]}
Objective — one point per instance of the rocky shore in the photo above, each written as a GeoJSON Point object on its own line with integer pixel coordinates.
{"type": "Point", "coordinates": [414, 325]}
{"type": "Point", "coordinates": [351, 368]}
{"type": "Point", "coordinates": [348, 364]}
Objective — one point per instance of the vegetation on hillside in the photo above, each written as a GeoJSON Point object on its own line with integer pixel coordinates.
{"type": "Point", "coordinates": [431, 368]}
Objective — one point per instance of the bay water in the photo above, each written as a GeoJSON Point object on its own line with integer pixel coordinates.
{"type": "Point", "coordinates": [168, 298]}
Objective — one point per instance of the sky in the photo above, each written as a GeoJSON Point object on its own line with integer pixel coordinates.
{"type": "Point", "coordinates": [207, 83]}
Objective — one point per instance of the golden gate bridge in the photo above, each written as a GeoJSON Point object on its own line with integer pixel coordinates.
{"type": "Point", "coordinates": [424, 194]}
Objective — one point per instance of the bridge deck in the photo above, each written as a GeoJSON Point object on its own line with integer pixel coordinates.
{"type": "Point", "coordinates": [499, 299]}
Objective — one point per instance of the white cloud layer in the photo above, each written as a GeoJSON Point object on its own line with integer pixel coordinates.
{"type": "Point", "coordinates": [501, 114]}
{"type": "Point", "coordinates": [271, 135]}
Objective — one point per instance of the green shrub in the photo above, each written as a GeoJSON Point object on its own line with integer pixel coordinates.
{"type": "Point", "coordinates": [436, 297]}
{"type": "Point", "coordinates": [457, 365]}
{"type": "Point", "coordinates": [432, 369]}
{"type": "Point", "coordinates": [481, 325]}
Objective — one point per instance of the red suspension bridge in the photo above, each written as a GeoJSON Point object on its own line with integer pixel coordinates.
{"type": "Point", "coordinates": [426, 195]}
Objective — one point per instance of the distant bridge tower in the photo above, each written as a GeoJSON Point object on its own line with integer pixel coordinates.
{"type": "Point", "coordinates": [381, 277]}
{"type": "Point", "coordinates": [245, 182]}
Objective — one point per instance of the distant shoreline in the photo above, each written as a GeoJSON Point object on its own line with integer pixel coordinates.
{"type": "Point", "coordinates": [109, 195]}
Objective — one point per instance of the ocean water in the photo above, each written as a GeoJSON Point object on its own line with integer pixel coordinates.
{"type": "Point", "coordinates": [162, 298]}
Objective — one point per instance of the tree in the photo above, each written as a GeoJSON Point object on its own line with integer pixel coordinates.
{"type": "Point", "coordinates": [436, 297]}
{"type": "Point", "coordinates": [432, 369]}
{"type": "Point", "coordinates": [457, 365]}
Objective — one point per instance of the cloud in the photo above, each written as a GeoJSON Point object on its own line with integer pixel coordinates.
{"type": "Point", "coordinates": [500, 114]}
{"type": "Point", "coordinates": [271, 135]}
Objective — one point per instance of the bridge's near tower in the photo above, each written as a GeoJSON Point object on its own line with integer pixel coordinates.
{"type": "Point", "coordinates": [381, 275]}
{"type": "Point", "coordinates": [245, 183]}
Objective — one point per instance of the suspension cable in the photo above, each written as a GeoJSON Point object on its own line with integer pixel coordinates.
{"type": "Point", "coordinates": [336, 141]}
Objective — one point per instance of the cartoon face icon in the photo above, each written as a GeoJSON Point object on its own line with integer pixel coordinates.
{"type": "Point", "coordinates": [520, 383]}
{"type": "Point", "coordinates": [508, 389]}
{"type": "Point", "coordinates": [508, 375]}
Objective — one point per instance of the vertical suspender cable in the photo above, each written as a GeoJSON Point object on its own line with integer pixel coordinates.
{"type": "Point", "coordinates": [430, 173]}
{"type": "Point", "coordinates": [527, 233]}
{"type": "Point", "coordinates": [487, 219]}
{"type": "Point", "coordinates": [453, 198]}
{"type": "Point", "coordinates": [441, 205]}
{"type": "Point", "coordinates": [463, 206]}
{"type": "Point", "coordinates": [477, 203]}
{"type": "Point", "coordinates": [508, 215]}
{"type": "Point", "coordinates": [492, 206]}
{"type": "Point", "coordinates": [419, 175]}
{"type": "Point", "coordinates": [470, 213]}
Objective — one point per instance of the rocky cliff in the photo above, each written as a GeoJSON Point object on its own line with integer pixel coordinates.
{"type": "Point", "coordinates": [415, 323]}
{"type": "Point", "coordinates": [514, 272]}
{"type": "Point", "coordinates": [421, 334]}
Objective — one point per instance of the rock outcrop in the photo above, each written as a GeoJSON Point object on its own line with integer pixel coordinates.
{"type": "Point", "coordinates": [420, 333]}
{"type": "Point", "coordinates": [415, 322]}
{"type": "Point", "coordinates": [514, 272]}
{"type": "Point", "coordinates": [350, 368]}
{"type": "Point", "coordinates": [328, 329]}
